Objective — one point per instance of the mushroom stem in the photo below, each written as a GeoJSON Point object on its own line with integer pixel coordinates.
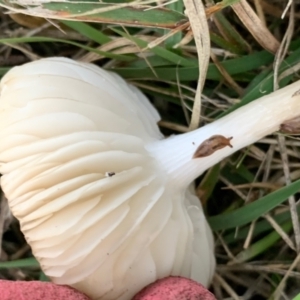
{"type": "Point", "coordinates": [245, 125]}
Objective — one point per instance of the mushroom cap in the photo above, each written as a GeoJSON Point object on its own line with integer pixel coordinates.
{"type": "Point", "coordinates": [98, 209]}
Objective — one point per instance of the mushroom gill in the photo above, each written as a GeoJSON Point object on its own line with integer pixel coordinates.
{"type": "Point", "coordinates": [101, 212]}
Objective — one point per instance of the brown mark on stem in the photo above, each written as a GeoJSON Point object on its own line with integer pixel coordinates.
{"type": "Point", "coordinates": [291, 126]}
{"type": "Point", "coordinates": [296, 93]}
{"type": "Point", "coordinates": [211, 145]}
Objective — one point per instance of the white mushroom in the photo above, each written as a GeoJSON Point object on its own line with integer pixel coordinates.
{"type": "Point", "coordinates": [104, 201]}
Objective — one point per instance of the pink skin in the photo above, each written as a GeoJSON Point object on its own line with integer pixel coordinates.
{"type": "Point", "coordinates": [37, 290]}
{"type": "Point", "coordinates": [174, 288]}
{"type": "Point", "coordinates": [169, 288]}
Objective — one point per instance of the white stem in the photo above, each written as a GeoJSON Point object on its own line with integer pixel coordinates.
{"type": "Point", "coordinates": [246, 125]}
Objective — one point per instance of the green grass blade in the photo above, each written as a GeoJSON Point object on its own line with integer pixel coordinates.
{"type": "Point", "coordinates": [88, 31]}
{"type": "Point", "coordinates": [250, 212]}
{"type": "Point", "coordinates": [261, 226]}
{"type": "Point", "coordinates": [176, 38]}
{"type": "Point", "coordinates": [262, 245]}
{"type": "Point", "coordinates": [159, 51]}
{"type": "Point", "coordinates": [232, 66]}
{"type": "Point", "coordinates": [43, 277]}
{"type": "Point", "coordinates": [232, 35]}
{"type": "Point", "coordinates": [263, 84]}
{"type": "Point", "coordinates": [94, 11]}
{"type": "Point", "coordinates": [55, 40]}
{"type": "Point", "coordinates": [226, 45]}
{"type": "Point", "coordinates": [3, 70]}
{"type": "Point", "coordinates": [21, 263]}
{"type": "Point", "coordinates": [297, 297]}
{"type": "Point", "coordinates": [208, 183]}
